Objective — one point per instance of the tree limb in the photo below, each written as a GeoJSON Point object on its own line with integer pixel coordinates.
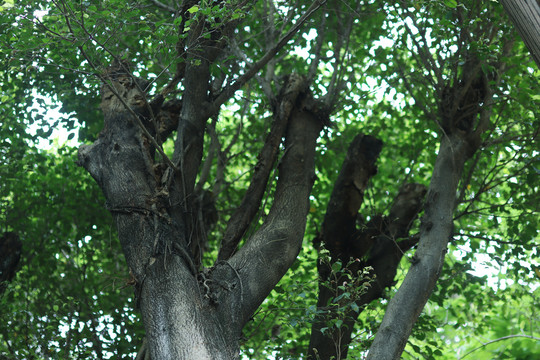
{"type": "Point", "coordinates": [244, 214]}
{"type": "Point", "coordinates": [377, 242]}
{"type": "Point", "coordinates": [269, 253]}
{"type": "Point", "coordinates": [231, 89]}
{"type": "Point", "coordinates": [163, 6]}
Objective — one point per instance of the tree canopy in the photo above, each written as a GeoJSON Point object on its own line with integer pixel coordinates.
{"type": "Point", "coordinates": [292, 179]}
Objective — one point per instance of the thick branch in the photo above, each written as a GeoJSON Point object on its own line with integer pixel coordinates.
{"type": "Point", "coordinates": [266, 256]}
{"type": "Point", "coordinates": [436, 230]}
{"type": "Point", "coordinates": [344, 241]}
{"type": "Point", "coordinates": [338, 233]}
{"type": "Point", "coordinates": [188, 146]}
{"type": "Point", "coordinates": [339, 223]}
{"type": "Point", "coordinates": [189, 143]}
{"type": "Point", "coordinates": [244, 214]}
{"type": "Point", "coordinates": [460, 141]}
{"type": "Point", "coordinates": [121, 163]}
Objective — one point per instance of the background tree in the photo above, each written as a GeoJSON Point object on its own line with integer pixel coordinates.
{"type": "Point", "coordinates": [210, 205]}
{"type": "Point", "coordinates": [525, 15]}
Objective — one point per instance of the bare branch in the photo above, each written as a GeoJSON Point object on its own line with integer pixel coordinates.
{"type": "Point", "coordinates": [230, 90]}
{"type": "Point", "coordinates": [418, 102]}
{"type": "Point", "coordinates": [423, 50]}
{"type": "Point", "coordinates": [501, 339]}
{"type": "Point", "coordinates": [344, 39]}
{"type": "Point", "coordinates": [223, 156]}
{"type": "Point", "coordinates": [264, 82]}
{"type": "Point", "coordinates": [321, 33]}
{"type": "Point", "coordinates": [487, 239]}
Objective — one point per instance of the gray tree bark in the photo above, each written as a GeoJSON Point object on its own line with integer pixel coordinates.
{"type": "Point", "coordinates": [436, 230]}
{"type": "Point", "coordinates": [525, 15]}
{"type": "Point", "coordinates": [464, 116]}
{"type": "Point", "coordinates": [188, 312]}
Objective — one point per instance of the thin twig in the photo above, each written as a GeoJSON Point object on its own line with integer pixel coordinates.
{"type": "Point", "coordinates": [500, 339]}
{"type": "Point", "coordinates": [321, 34]}
{"type": "Point", "coordinates": [231, 89]}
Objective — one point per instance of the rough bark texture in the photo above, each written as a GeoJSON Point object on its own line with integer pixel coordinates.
{"type": "Point", "coordinates": [525, 15]}
{"type": "Point", "coordinates": [464, 113]}
{"type": "Point", "coordinates": [244, 214]}
{"type": "Point", "coordinates": [436, 231]}
{"type": "Point", "coordinates": [188, 313]}
{"type": "Point", "coordinates": [339, 236]}
{"type": "Point", "coordinates": [267, 255]}
{"type": "Point", "coordinates": [359, 245]}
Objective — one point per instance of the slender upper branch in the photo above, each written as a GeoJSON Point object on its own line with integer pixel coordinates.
{"type": "Point", "coordinates": [231, 89]}
{"type": "Point", "coordinates": [163, 6]}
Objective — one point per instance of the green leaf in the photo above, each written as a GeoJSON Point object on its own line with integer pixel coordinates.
{"type": "Point", "coordinates": [450, 3]}
{"type": "Point", "coordinates": [177, 21]}
{"type": "Point", "coordinates": [193, 9]}
{"type": "Point", "coordinates": [390, 79]}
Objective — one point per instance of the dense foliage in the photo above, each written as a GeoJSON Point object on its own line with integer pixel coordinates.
{"type": "Point", "coordinates": [380, 67]}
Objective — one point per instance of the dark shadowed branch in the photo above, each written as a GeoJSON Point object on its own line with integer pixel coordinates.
{"type": "Point", "coordinates": [367, 250]}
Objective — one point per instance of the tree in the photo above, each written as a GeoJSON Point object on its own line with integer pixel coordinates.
{"type": "Point", "coordinates": [215, 121]}
{"type": "Point", "coordinates": [526, 17]}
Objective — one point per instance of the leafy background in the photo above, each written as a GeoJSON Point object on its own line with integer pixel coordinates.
{"type": "Point", "coordinates": [71, 297]}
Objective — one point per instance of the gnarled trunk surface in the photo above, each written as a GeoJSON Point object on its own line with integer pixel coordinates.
{"type": "Point", "coordinates": [189, 312]}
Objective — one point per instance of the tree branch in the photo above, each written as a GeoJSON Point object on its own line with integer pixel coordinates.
{"type": "Point", "coordinates": [163, 6]}
{"type": "Point", "coordinates": [379, 237]}
{"type": "Point", "coordinates": [277, 243]}
{"type": "Point", "coordinates": [501, 339]}
{"type": "Point", "coordinates": [244, 214]}
{"type": "Point", "coordinates": [231, 89]}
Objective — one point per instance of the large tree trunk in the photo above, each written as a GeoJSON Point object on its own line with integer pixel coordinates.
{"type": "Point", "coordinates": [525, 14]}
{"type": "Point", "coordinates": [190, 313]}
